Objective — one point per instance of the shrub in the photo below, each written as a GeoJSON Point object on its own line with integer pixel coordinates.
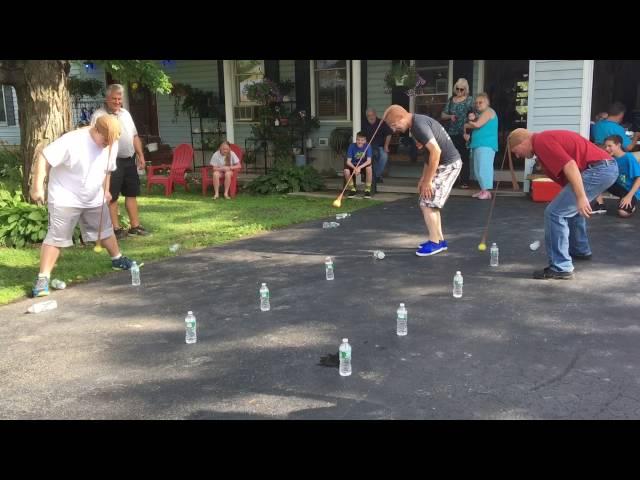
{"type": "Point", "coordinates": [10, 168]}
{"type": "Point", "coordinates": [21, 223]}
{"type": "Point", "coordinates": [287, 178]}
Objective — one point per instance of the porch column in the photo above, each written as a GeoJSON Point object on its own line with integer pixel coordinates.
{"type": "Point", "coordinates": [587, 92]}
{"type": "Point", "coordinates": [228, 99]}
{"type": "Point", "coordinates": [356, 97]}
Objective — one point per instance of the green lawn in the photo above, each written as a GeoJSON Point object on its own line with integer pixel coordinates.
{"type": "Point", "coordinates": [191, 220]}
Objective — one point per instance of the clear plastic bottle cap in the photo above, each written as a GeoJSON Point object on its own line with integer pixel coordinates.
{"type": "Point", "coordinates": [189, 312]}
{"type": "Point", "coordinates": [458, 272]}
{"type": "Point", "coordinates": [264, 284]}
{"type": "Point", "coordinates": [494, 244]}
{"type": "Point", "coordinates": [345, 340]}
{"type": "Point", "coordinates": [328, 260]}
{"type": "Point", "coordinates": [402, 305]}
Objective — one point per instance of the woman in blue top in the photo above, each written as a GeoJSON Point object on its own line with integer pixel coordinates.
{"type": "Point", "coordinates": [456, 111]}
{"type": "Point", "coordinates": [484, 144]}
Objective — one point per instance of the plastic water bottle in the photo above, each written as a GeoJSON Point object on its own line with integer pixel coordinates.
{"type": "Point", "coordinates": [265, 306]}
{"type": "Point", "coordinates": [493, 262]}
{"type": "Point", "coordinates": [378, 254]}
{"type": "Point", "coordinates": [345, 358]}
{"type": "Point", "coordinates": [457, 285]}
{"type": "Point", "coordinates": [341, 216]}
{"type": "Point", "coordinates": [190, 327]}
{"type": "Point", "coordinates": [329, 264]}
{"type": "Point", "coordinates": [43, 306]}
{"type": "Point", "coordinates": [401, 328]}
{"type": "Point", "coordinates": [135, 274]}
{"type": "Point", "coordinates": [58, 284]}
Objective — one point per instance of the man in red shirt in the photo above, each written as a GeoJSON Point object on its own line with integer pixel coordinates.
{"type": "Point", "coordinates": [585, 171]}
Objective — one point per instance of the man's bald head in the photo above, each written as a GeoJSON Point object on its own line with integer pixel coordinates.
{"type": "Point", "coordinates": [398, 119]}
{"type": "Point", "coordinates": [519, 142]}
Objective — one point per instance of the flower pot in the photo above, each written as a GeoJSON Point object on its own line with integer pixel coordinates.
{"type": "Point", "coordinates": [400, 82]}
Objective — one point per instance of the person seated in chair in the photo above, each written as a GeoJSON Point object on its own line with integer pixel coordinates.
{"type": "Point", "coordinates": [227, 163]}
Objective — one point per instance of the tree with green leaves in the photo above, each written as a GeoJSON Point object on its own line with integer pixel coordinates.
{"type": "Point", "coordinates": [43, 97]}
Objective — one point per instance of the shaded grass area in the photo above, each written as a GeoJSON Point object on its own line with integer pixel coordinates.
{"type": "Point", "coordinates": [189, 219]}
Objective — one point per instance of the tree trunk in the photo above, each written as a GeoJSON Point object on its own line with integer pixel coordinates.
{"type": "Point", "coordinates": [44, 109]}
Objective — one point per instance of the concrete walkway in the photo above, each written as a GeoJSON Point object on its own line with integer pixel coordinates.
{"type": "Point", "coordinates": [511, 348]}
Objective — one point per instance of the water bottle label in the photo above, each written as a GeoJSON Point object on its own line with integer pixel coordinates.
{"type": "Point", "coordinates": [345, 355]}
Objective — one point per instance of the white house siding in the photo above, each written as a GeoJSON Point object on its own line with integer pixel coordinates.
{"type": "Point", "coordinates": [202, 74]}
{"type": "Point", "coordinates": [376, 97]}
{"type": "Point", "coordinates": [559, 95]}
{"type": "Point", "coordinates": [11, 134]}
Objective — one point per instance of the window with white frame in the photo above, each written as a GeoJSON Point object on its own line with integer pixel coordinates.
{"type": "Point", "coordinates": [332, 89]}
{"type": "Point", "coordinates": [3, 108]}
{"type": "Point", "coordinates": [432, 97]}
{"type": "Point", "coordinates": [246, 73]}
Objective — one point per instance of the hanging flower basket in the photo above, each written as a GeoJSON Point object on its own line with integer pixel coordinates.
{"type": "Point", "coordinates": [400, 75]}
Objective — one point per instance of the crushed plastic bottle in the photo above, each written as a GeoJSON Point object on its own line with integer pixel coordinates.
{"type": "Point", "coordinates": [330, 225]}
{"type": "Point", "coordinates": [58, 284]}
{"type": "Point", "coordinates": [341, 216]}
{"type": "Point", "coordinates": [535, 245]}
{"type": "Point", "coordinates": [378, 254]}
{"type": "Point", "coordinates": [43, 306]}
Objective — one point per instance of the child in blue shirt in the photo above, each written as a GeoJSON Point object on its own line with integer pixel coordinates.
{"type": "Point", "coordinates": [359, 158]}
{"type": "Point", "coordinates": [628, 182]}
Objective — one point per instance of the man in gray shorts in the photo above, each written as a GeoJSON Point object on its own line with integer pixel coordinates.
{"type": "Point", "coordinates": [439, 174]}
{"type": "Point", "coordinates": [78, 165]}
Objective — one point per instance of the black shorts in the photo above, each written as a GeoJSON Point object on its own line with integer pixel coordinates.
{"type": "Point", "coordinates": [125, 180]}
{"type": "Point", "coordinates": [362, 172]}
{"type": "Point", "coordinates": [619, 191]}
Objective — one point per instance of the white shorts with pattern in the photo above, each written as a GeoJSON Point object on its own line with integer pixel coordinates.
{"type": "Point", "coordinates": [446, 176]}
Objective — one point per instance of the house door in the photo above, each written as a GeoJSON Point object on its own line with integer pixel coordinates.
{"type": "Point", "coordinates": [617, 81]}
{"type": "Point", "coordinates": [507, 84]}
{"type": "Point", "coordinates": [143, 109]}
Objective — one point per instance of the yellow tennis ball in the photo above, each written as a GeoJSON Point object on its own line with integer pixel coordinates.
{"type": "Point", "coordinates": [97, 249]}
{"type": "Point", "coordinates": [482, 246]}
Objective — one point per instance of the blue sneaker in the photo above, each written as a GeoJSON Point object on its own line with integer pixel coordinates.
{"type": "Point", "coordinates": [123, 263]}
{"type": "Point", "coordinates": [40, 287]}
{"type": "Point", "coordinates": [430, 248]}
{"type": "Point", "coordinates": [443, 244]}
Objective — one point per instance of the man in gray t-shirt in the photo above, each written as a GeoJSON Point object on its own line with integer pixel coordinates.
{"type": "Point", "coordinates": [439, 173]}
{"type": "Point", "coordinates": [424, 128]}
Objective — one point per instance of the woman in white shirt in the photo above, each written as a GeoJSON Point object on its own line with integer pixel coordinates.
{"type": "Point", "coordinates": [224, 162]}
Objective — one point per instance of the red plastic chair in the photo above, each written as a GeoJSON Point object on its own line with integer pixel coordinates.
{"type": "Point", "coordinates": [181, 163]}
{"type": "Point", "coordinates": [207, 178]}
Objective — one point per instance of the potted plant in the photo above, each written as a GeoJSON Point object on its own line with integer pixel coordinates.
{"type": "Point", "coordinates": [286, 87]}
{"type": "Point", "coordinates": [339, 141]}
{"type": "Point", "coordinates": [400, 75]}
{"type": "Point", "coordinates": [264, 92]}
{"type": "Point", "coordinates": [195, 102]}
{"type": "Point", "coordinates": [301, 126]}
